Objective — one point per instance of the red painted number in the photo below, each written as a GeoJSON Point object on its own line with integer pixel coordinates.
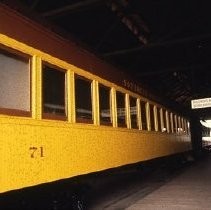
{"type": "Point", "coordinates": [36, 152]}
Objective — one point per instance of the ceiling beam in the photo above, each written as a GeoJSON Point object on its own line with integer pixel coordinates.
{"type": "Point", "coordinates": [130, 19]}
{"type": "Point", "coordinates": [108, 32]}
{"type": "Point", "coordinates": [174, 70]}
{"type": "Point", "coordinates": [86, 4]}
{"type": "Point", "coordinates": [179, 28]}
{"type": "Point", "coordinates": [159, 44]}
{"type": "Point", "coordinates": [34, 4]}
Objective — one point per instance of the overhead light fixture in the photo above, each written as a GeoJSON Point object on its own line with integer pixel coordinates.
{"type": "Point", "coordinates": [206, 123]}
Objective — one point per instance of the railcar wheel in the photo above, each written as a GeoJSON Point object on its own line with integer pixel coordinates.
{"type": "Point", "coordinates": [78, 203]}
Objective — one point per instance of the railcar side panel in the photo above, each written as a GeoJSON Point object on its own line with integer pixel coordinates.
{"type": "Point", "coordinates": [34, 152]}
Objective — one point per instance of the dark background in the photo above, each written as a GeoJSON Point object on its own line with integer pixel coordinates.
{"type": "Point", "coordinates": [164, 44]}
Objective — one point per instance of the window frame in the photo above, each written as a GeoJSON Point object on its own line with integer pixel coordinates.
{"type": "Point", "coordinates": [144, 128]}
{"type": "Point", "coordinates": [20, 56]}
{"type": "Point", "coordinates": [125, 124]}
{"type": "Point", "coordinates": [101, 122]}
{"type": "Point", "coordinates": [159, 120]}
{"type": "Point", "coordinates": [152, 117]}
{"type": "Point", "coordinates": [136, 105]}
{"type": "Point", "coordinates": [54, 116]}
{"type": "Point", "coordinates": [80, 119]}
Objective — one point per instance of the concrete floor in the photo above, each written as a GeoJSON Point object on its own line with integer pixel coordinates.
{"type": "Point", "coordinates": [188, 188]}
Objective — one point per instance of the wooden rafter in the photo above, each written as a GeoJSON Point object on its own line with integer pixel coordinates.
{"type": "Point", "coordinates": [159, 44]}
{"type": "Point", "coordinates": [133, 21]}
{"type": "Point", "coordinates": [72, 7]}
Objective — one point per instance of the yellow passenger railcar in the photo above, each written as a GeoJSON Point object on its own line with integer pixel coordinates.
{"type": "Point", "coordinates": [65, 113]}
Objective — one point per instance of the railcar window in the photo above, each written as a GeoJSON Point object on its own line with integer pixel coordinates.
{"type": "Point", "coordinates": [143, 115]}
{"type": "Point", "coordinates": [133, 112]}
{"type": "Point", "coordinates": [164, 129]}
{"type": "Point", "coordinates": [188, 127]}
{"type": "Point", "coordinates": [167, 121]}
{"type": "Point", "coordinates": [172, 122]}
{"type": "Point", "coordinates": [185, 125]}
{"type": "Point", "coordinates": [14, 84]}
{"type": "Point", "coordinates": [152, 117]}
{"type": "Point", "coordinates": [83, 100]}
{"type": "Point", "coordinates": [176, 123]}
{"type": "Point", "coordinates": [121, 111]}
{"type": "Point", "coordinates": [182, 124]}
{"type": "Point", "coordinates": [105, 105]}
{"type": "Point", "coordinates": [159, 118]}
{"type": "Point", "coordinates": [179, 129]}
{"type": "Point", "coordinates": [53, 92]}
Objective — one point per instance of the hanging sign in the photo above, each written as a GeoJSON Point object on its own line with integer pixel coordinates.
{"type": "Point", "coordinates": [201, 103]}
